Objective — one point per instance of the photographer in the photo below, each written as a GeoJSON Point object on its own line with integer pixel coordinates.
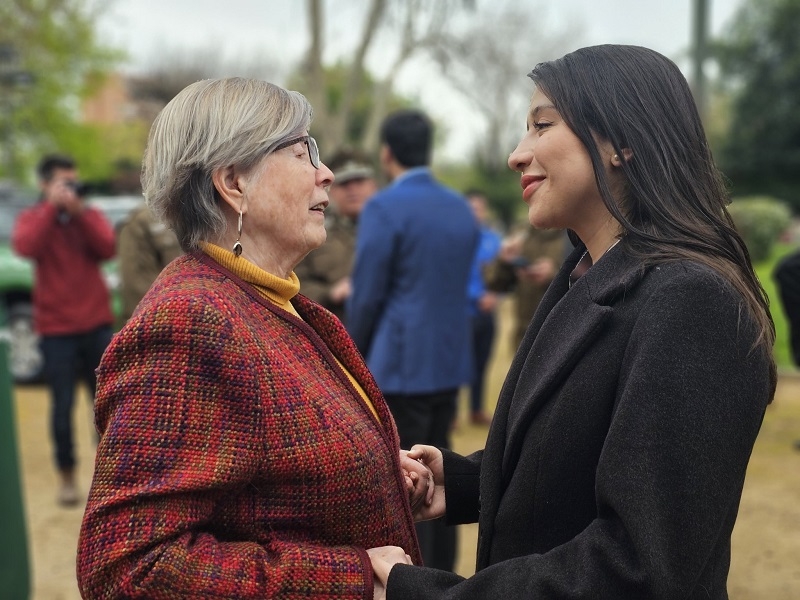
{"type": "Point", "coordinates": [67, 240]}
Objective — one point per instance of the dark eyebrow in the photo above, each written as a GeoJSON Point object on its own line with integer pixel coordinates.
{"type": "Point", "coordinates": [535, 112]}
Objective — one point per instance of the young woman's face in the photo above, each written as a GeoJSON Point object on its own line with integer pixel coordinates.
{"type": "Point", "coordinates": [558, 182]}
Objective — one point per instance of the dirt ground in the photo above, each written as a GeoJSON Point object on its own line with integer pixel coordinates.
{"type": "Point", "coordinates": [766, 541]}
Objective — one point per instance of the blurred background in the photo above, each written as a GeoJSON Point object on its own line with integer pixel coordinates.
{"type": "Point", "coordinates": [87, 78]}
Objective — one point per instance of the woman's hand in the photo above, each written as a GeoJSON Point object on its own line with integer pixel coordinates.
{"type": "Point", "coordinates": [419, 481]}
{"type": "Point", "coordinates": [383, 559]}
{"type": "Point", "coordinates": [431, 458]}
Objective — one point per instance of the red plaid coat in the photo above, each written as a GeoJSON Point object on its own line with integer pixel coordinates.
{"type": "Point", "coordinates": [236, 460]}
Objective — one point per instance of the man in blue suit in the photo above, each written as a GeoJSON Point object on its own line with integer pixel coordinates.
{"type": "Point", "coordinates": [409, 309]}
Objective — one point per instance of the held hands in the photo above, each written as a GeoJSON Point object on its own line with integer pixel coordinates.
{"type": "Point", "coordinates": [426, 493]}
{"type": "Point", "coordinates": [419, 481]}
{"type": "Point", "coordinates": [383, 559]}
{"type": "Point", "coordinates": [423, 469]}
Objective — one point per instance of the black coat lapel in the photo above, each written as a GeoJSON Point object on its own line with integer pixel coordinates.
{"type": "Point", "coordinates": [571, 327]}
{"type": "Point", "coordinates": [567, 323]}
{"type": "Point", "coordinates": [491, 465]}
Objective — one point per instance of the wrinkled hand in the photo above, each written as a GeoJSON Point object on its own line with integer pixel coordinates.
{"type": "Point", "coordinates": [431, 457]}
{"type": "Point", "coordinates": [383, 559]}
{"type": "Point", "coordinates": [419, 481]}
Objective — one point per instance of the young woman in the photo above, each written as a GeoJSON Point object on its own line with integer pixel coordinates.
{"type": "Point", "coordinates": [615, 463]}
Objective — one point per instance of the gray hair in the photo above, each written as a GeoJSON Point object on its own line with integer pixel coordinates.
{"type": "Point", "coordinates": [212, 124]}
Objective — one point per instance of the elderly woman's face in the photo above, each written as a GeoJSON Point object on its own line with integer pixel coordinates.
{"type": "Point", "coordinates": [286, 203]}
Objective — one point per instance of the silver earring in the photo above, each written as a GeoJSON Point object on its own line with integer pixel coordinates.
{"type": "Point", "coordinates": [237, 247]}
{"type": "Point", "coordinates": [615, 157]}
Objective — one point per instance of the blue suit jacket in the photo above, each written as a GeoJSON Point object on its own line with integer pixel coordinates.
{"type": "Point", "coordinates": [409, 312]}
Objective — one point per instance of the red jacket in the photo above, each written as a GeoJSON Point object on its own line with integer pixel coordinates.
{"type": "Point", "coordinates": [69, 293]}
{"type": "Point", "coordinates": [236, 460]}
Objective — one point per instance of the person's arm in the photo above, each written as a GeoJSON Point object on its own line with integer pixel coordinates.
{"type": "Point", "coordinates": [33, 230]}
{"type": "Point", "coordinates": [182, 428]}
{"type": "Point", "coordinates": [139, 261]}
{"type": "Point", "coordinates": [371, 274]}
{"type": "Point", "coordinates": [456, 477]}
{"type": "Point", "coordinates": [671, 472]}
{"type": "Point", "coordinates": [98, 232]}
{"type": "Point", "coordinates": [464, 473]}
{"type": "Point", "coordinates": [462, 486]}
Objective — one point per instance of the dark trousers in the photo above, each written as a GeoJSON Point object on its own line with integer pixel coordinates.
{"type": "Point", "coordinates": [483, 328]}
{"type": "Point", "coordinates": [426, 419]}
{"type": "Point", "coordinates": [67, 359]}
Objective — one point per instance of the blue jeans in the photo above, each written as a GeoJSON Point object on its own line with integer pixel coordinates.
{"type": "Point", "coordinates": [67, 359]}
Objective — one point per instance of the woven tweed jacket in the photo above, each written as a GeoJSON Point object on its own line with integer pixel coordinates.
{"type": "Point", "coordinates": [236, 460]}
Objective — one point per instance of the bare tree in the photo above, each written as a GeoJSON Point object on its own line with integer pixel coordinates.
{"type": "Point", "coordinates": [410, 26]}
{"type": "Point", "coordinates": [487, 62]}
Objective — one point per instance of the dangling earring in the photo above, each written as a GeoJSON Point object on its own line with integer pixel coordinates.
{"type": "Point", "coordinates": [237, 247]}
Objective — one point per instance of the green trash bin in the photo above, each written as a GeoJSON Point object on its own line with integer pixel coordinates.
{"type": "Point", "coordinates": [14, 568]}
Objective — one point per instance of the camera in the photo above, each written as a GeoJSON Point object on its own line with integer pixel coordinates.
{"type": "Point", "coordinates": [80, 188]}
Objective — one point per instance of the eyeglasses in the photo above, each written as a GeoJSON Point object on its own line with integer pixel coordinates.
{"type": "Point", "coordinates": [311, 144]}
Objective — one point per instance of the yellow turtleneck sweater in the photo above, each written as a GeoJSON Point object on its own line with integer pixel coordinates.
{"type": "Point", "coordinates": [278, 291]}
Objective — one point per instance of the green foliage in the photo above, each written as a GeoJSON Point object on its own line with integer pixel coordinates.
{"type": "Point", "coordinates": [760, 58]}
{"type": "Point", "coordinates": [760, 221]}
{"type": "Point", "coordinates": [57, 46]}
{"type": "Point", "coordinates": [93, 147]}
{"type": "Point", "coordinates": [764, 271]}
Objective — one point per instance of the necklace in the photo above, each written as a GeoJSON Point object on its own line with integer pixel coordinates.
{"type": "Point", "coordinates": [581, 267]}
{"type": "Point", "coordinates": [609, 248]}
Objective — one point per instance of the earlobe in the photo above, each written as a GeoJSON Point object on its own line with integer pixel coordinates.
{"type": "Point", "coordinates": [227, 181]}
{"type": "Point", "coordinates": [627, 154]}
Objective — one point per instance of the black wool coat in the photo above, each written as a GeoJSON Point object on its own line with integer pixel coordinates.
{"type": "Point", "coordinates": [615, 462]}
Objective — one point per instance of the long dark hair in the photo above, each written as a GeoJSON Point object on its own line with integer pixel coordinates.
{"type": "Point", "coordinates": [674, 206]}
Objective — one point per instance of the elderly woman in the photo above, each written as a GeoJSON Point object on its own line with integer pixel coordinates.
{"type": "Point", "coordinates": [245, 449]}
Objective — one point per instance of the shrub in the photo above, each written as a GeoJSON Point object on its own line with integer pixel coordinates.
{"type": "Point", "coordinates": [760, 221]}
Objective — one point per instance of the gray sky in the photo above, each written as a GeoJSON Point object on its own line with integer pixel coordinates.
{"type": "Point", "coordinates": [241, 29]}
